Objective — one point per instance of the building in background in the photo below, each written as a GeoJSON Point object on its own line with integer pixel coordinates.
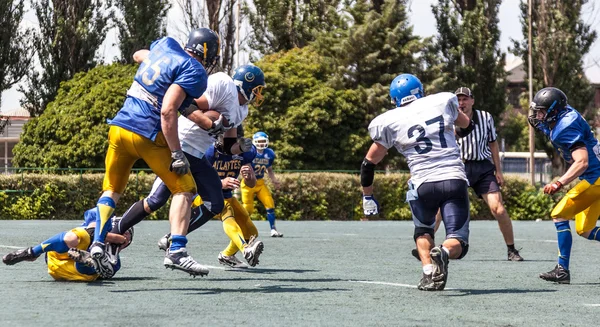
{"type": "Point", "coordinates": [13, 122]}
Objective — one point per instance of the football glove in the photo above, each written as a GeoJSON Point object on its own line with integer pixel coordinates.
{"type": "Point", "coordinates": [245, 144]}
{"type": "Point", "coordinates": [179, 163]}
{"type": "Point", "coordinates": [217, 127]}
{"type": "Point", "coordinates": [553, 187]}
{"type": "Point", "coordinates": [370, 205]}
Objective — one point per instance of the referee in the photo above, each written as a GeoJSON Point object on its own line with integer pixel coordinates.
{"type": "Point", "coordinates": [479, 151]}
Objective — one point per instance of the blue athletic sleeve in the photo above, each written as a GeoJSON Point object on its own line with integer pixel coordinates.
{"type": "Point", "coordinates": [210, 154]}
{"type": "Point", "coordinates": [192, 79]}
{"type": "Point", "coordinates": [154, 43]}
{"type": "Point", "coordinates": [249, 156]}
{"type": "Point", "coordinates": [272, 158]}
{"type": "Point", "coordinates": [89, 216]}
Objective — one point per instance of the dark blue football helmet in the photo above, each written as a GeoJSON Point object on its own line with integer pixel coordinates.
{"type": "Point", "coordinates": [206, 44]}
{"type": "Point", "coordinates": [550, 99]}
{"type": "Point", "coordinates": [250, 81]}
{"type": "Point", "coordinates": [406, 88]}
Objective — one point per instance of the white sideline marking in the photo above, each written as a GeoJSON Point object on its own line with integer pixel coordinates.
{"type": "Point", "coordinates": [350, 234]}
{"type": "Point", "coordinates": [10, 247]}
{"type": "Point", "coordinates": [542, 241]}
{"type": "Point", "coordinates": [389, 284]}
{"type": "Point", "coordinates": [592, 304]}
{"type": "Point", "coordinates": [382, 283]}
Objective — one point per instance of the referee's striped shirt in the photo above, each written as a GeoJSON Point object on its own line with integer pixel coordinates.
{"type": "Point", "coordinates": [475, 146]}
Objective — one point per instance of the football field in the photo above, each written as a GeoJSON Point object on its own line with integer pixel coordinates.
{"type": "Point", "coordinates": [319, 274]}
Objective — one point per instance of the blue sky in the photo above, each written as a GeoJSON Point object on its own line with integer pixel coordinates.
{"type": "Point", "coordinates": [423, 23]}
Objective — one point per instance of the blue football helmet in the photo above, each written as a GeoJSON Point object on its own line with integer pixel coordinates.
{"type": "Point", "coordinates": [260, 140]}
{"type": "Point", "coordinates": [406, 88]}
{"type": "Point", "coordinates": [206, 44]}
{"type": "Point", "coordinates": [250, 81]}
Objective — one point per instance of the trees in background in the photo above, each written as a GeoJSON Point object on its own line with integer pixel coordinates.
{"type": "Point", "coordinates": [142, 22]}
{"type": "Point", "coordinates": [16, 48]}
{"type": "Point", "coordinates": [468, 42]}
{"type": "Point", "coordinates": [560, 41]}
{"type": "Point", "coordinates": [218, 15]}
{"type": "Point", "coordinates": [71, 132]}
{"type": "Point", "coordinates": [70, 33]}
{"type": "Point", "coordinates": [279, 25]}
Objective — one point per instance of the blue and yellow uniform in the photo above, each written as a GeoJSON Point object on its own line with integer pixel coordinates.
{"type": "Point", "coordinates": [583, 200]}
{"type": "Point", "coordinates": [236, 222]}
{"type": "Point", "coordinates": [260, 164]}
{"type": "Point", "coordinates": [135, 132]}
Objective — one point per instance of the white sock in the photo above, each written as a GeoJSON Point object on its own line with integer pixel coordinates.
{"type": "Point", "coordinates": [428, 269]}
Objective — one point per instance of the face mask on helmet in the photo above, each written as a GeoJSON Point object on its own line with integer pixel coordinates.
{"type": "Point", "coordinates": [250, 81]}
{"type": "Point", "coordinates": [406, 88]}
{"type": "Point", "coordinates": [206, 44]}
{"type": "Point", "coordinates": [128, 233]}
{"type": "Point", "coordinates": [547, 105]}
{"type": "Point", "coordinates": [260, 140]}
{"type": "Point", "coordinates": [220, 143]}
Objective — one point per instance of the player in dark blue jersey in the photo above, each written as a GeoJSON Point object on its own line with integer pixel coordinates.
{"type": "Point", "coordinates": [66, 253]}
{"type": "Point", "coordinates": [572, 137]}
{"type": "Point", "coordinates": [168, 80]}
{"type": "Point", "coordinates": [263, 163]}
{"type": "Point", "coordinates": [236, 222]}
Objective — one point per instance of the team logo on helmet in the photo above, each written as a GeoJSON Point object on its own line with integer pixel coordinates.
{"type": "Point", "coordinates": [249, 77]}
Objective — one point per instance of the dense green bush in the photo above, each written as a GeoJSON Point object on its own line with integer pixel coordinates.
{"type": "Point", "coordinates": [72, 132]}
{"type": "Point", "coordinates": [302, 196]}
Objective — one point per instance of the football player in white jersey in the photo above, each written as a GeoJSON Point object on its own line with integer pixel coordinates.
{"type": "Point", "coordinates": [230, 97]}
{"type": "Point", "coordinates": [422, 129]}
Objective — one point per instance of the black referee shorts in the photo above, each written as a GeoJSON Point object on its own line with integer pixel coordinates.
{"type": "Point", "coordinates": [482, 179]}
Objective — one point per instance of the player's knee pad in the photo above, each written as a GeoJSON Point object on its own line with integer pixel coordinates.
{"type": "Point", "coordinates": [422, 231]}
{"type": "Point", "coordinates": [465, 249]}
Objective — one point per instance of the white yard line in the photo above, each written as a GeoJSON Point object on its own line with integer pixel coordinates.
{"type": "Point", "coordinates": [389, 284]}
{"type": "Point", "coordinates": [10, 247]}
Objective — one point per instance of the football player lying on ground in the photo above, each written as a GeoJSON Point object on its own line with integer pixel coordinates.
{"type": "Point", "coordinates": [67, 256]}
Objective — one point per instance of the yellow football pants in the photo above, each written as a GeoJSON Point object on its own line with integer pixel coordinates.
{"type": "Point", "coordinates": [237, 225]}
{"type": "Point", "coordinates": [126, 147]}
{"type": "Point", "coordinates": [581, 202]}
{"type": "Point", "coordinates": [61, 267]}
{"type": "Point", "coordinates": [262, 192]}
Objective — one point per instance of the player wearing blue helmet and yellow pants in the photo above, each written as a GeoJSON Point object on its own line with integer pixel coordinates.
{"type": "Point", "coordinates": [236, 222]}
{"type": "Point", "coordinates": [572, 137]}
{"type": "Point", "coordinates": [167, 82]}
{"type": "Point", "coordinates": [263, 163]}
{"type": "Point", "coordinates": [61, 248]}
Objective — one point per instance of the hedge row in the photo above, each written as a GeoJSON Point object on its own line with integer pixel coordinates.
{"type": "Point", "coordinates": [302, 196]}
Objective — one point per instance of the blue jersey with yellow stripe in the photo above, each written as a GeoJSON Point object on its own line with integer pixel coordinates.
{"type": "Point", "coordinates": [263, 161]}
{"type": "Point", "coordinates": [167, 63]}
{"type": "Point", "coordinates": [572, 130]}
{"type": "Point", "coordinates": [229, 165]}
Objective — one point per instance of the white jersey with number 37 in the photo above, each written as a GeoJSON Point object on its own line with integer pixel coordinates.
{"type": "Point", "coordinates": [423, 131]}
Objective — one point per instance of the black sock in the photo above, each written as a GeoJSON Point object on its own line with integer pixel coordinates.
{"type": "Point", "coordinates": [132, 216]}
{"type": "Point", "coordinates": [510, 246]}
{"type": "Point", "coordinates": [200, 216]}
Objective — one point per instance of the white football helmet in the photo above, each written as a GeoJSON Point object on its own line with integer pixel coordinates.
{"type": "Point", "coordinates": [260, 140]}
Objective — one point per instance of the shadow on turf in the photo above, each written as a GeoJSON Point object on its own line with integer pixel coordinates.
{"type": "Point", "coordinates": [261, 289]}
{"type": "Point", "coordinates": [464, 292]}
